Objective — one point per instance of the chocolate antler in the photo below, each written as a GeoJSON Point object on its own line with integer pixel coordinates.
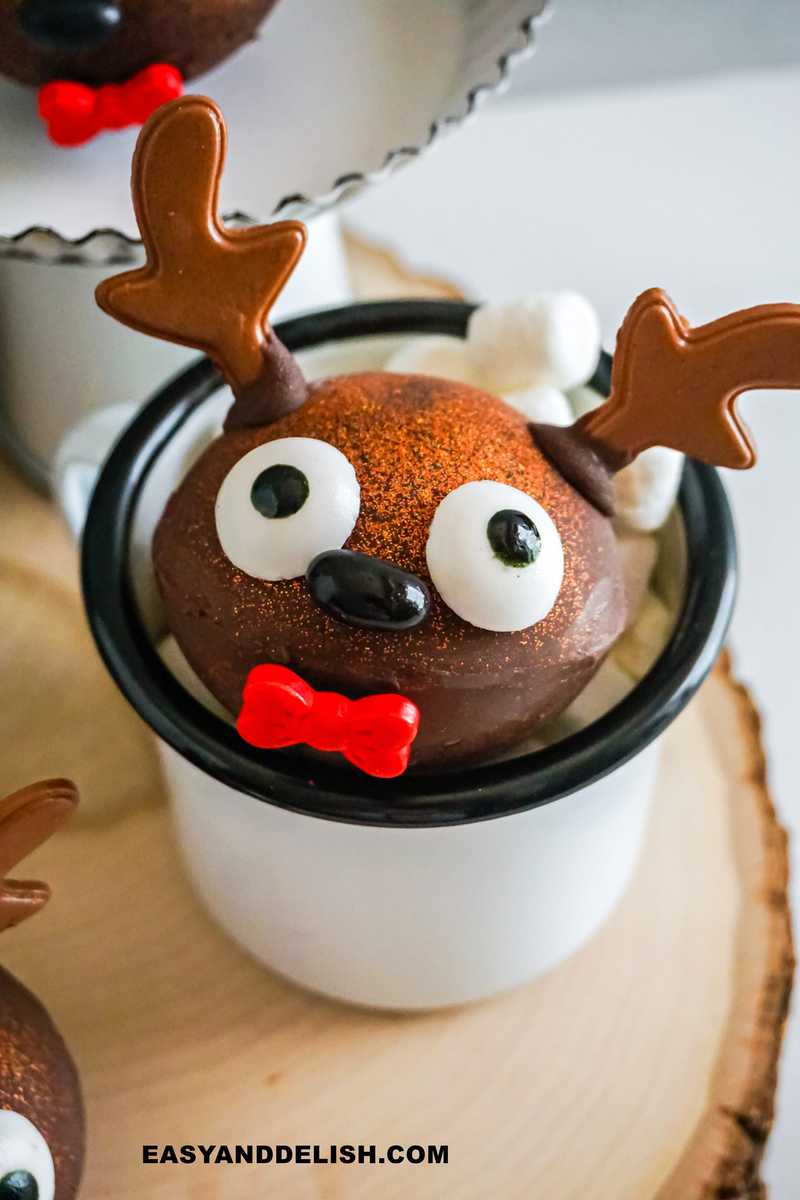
{"type": "Point", "coordinates": [27, 819]}
{"type": "Point", "coordinates": [672, 385]}
{"type": "Point", "coordinates": [204, 285]}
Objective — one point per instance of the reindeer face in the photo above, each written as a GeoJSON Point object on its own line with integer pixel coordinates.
{"type": "Point", "coordinates": [108, 41]}
{"type": "Point", "coordinates": [489, 592]}
{"type": "Point", "coordinates": [41, 1111]}
{"type": "Point", "coordinates": [398, 534]}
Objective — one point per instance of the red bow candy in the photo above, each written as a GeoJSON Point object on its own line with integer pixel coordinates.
{"type": "Point", "coordinates": [374, 734]}
{"type": "Point", "coordinates": [74, 113]}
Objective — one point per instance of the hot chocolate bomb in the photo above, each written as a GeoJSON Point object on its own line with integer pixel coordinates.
{"type": "Point", "coordinates": [97, 41]}
{"type": "Point", "coordinates": [404, 542]}
{"type": "Point", "coordinates": [472, 685]}
{"type": "Point", "coordinates": [41, 1110]}
{"type": "Point", "coordinates": [106, 64]}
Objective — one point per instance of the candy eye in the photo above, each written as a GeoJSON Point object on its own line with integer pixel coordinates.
{"type": "Point", "coordinates": [495, 556]}
{"type": "Point", "coordinates": [284, 503]}
{"type": "Point", "coordinates": [279, 491]}
{"type": "Point", "coordinates": [514, 537]}
{"type": "Point", "coordinates": [26, 1164]}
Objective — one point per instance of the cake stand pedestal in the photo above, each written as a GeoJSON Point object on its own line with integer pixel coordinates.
{"type": "Point", "coordinates": [644, 1068]}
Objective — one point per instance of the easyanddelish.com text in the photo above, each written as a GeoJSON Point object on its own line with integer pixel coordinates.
{"type": "Point", "coordinates": [279, 1154]}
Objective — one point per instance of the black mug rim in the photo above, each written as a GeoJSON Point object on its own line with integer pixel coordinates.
{"type": "Point", "coordinates": [328, 790]}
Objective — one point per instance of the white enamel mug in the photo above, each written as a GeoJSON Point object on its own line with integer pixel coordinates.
{"type": "Point", "coordinates": [420, 892]}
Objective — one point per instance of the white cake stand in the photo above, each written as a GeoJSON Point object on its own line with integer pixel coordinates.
{"type": "Point", "coordinates": [328, 101]}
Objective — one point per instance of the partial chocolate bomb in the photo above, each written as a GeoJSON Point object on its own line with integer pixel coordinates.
{"type": "Point", "coordinates": [412, 441]}
{"type": "Point", "coordinates": [99, 41]}
{"type": "Point", "coordinates": [392, 566]}
{"type": "Point", "coordinates": [42, 1132]}
{"type": "Point", "coordinates": [39, 1082]}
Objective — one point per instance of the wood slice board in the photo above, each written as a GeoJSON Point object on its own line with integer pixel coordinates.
{"type": "Point", "coordinates": [642, 1068]}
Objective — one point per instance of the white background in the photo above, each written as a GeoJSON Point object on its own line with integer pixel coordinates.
{"type": "Point", "coordinates": [690, 184]}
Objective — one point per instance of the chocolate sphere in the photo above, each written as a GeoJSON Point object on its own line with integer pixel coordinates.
{"type": "Point", "coordinates": [99, 41]}
{"type": "Point", "coordinates": [411, 440]}
{"type": "Point", "coordinates": [41, 1111]}
{"type": "Point", "coordinates": [39, 1082]}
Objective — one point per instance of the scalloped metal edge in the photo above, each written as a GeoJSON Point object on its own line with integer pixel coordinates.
{"type": "Point", "coordinates": [107, 247]}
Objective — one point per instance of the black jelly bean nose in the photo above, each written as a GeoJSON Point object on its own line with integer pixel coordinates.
{"type": "Point", "coordinates": [19, 1185]}
{"type": "Point", "coordinates": [514, 538]}
{"type": "Point", "coordinates": [366, 591]}
{"type": "Point", "coordinates": [70, 25]}
{"type": "Point", "coordinates": [279, 491]}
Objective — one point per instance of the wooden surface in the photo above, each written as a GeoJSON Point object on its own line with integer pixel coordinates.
{"type": "Point", "coordinates": [643, 1067]}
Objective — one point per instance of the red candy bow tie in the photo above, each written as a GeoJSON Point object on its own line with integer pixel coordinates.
{"type": "Point", "coordinates": [374, 734]}
{"type": "Point", "coordinates": [74, 112]}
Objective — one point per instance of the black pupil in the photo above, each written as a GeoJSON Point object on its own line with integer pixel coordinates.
{"type": "Point", "coordinates": [19, 1185]}
{"type": "Point", "coordinates": [514, 538]}
{"type": "Point", "coordinates": [279, 491]}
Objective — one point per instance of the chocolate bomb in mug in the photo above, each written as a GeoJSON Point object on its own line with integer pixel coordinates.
{"type": "Point", "coordinates": [400, 571]}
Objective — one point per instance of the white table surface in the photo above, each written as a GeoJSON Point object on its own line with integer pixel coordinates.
{"type": "Point", "coordinates": [694, 186]}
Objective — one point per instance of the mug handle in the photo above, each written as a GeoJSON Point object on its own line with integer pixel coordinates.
{"type": "Point", "coordinates": [79, 458]}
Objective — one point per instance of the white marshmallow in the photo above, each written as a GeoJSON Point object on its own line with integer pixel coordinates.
{"type": "Point", "coordinates": [550, 338]}
{"type": "Point", "coordinates": [642, 643]}
{"type": "Point", "coordinates": [638, 553]}
{"type": "Point", "coordinates": [583, 400]}
{"type": "Point", "coordinates": [603, 692]}
{"type": "Point", "coordinates": [174, 660]}
{"type": "Point", "coordinates": [442, 357]}
{"type": "Point", "coordinates": [544, 404]}
{"type": "Point", "coordinates": [645, 491]}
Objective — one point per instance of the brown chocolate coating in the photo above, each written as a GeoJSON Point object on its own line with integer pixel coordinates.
{"type": "Point", "coordinates": [578, 460]}
{"type": "Point", "coordinates": [192, 35]}
{"type": "Point", "coordinates": [38, 1079]}
{"type": "Point", "coordinates": [279, 389]}
{"type": "Point", "coordinates": [412, 440]}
